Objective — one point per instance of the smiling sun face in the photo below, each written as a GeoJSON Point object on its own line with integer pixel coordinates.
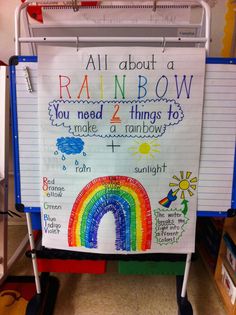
{"type": "Point", "coordinates": [146, 149]}
{"type": "Point", "coordinates": [184, 184]}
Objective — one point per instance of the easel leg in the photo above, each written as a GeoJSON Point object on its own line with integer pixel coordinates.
{"type": "Point", "coordinates": [43, 303]}
{"type": "Point", "coordinates": [46, 287]}
{"type": "Point", "coordinates": [33, 255]}
{"type": "Point", "coordinates": [185, 307]}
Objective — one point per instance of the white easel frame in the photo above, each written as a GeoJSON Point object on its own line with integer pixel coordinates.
{"type": "Point", "coordinates": [29, 39]}
{"type": "Point", "coordinates": [19, 40]}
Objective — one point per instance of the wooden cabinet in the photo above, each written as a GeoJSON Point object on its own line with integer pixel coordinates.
{"type": "Point", "coordinates": [222, 283]}
{"type": "Point", "coordinates": [209, 233]}
{"type": "Point", "coordinates": [213, 250]}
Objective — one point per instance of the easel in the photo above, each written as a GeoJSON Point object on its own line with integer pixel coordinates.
{"type": "Point", "coordinates": [183, 303]}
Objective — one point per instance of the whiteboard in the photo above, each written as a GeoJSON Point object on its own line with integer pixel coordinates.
{"type": "Point", "coordinates": [218, 137]}
{"type": "Point", "coordinates": [215, 190]}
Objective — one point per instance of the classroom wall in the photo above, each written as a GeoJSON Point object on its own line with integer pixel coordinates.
{"type": "Point", "coordinates": [217, 27]}
{"type": "Point", "coordinates": [7, 28]}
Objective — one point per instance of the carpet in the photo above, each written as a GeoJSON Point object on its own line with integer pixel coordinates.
{"type": "Point", "coordinates": [18, 296]}
{"type": "Point", "coordinates": [15, 294]}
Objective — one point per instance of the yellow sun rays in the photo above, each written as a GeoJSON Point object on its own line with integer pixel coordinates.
{"type": "Point", "coordinates": [184, 183]}
{"type": "Point", "coordinates": [147, 149]}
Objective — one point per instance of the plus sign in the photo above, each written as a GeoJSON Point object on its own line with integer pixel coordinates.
{"type": "Point", "coordinates": [113, 146]}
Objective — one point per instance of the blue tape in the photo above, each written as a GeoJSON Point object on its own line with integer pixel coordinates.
{"type": "Point", "coordinates": [32, 209]}
{"type": "Point", "coordinates": [13, 100]}
{"type": "Point", "coordinates": [222, 214]}
{"type": "Point", "coordinates": [27, 58]}
{"type": "Point", "coordinates": [223, 61]}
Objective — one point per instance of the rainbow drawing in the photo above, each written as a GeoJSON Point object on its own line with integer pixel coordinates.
{"type": "Point", "coordinates": [127, 199]}
{"type": "Point", "coordinates": [166, 202]}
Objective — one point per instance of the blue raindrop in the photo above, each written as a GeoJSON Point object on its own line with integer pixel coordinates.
{"type": "Point", "coordinates": [55, 152]}
{"type": "Point", "coordinates": [84, 154]}
{"type": "Point", "coordinates": [64, 167]}
{"type": "Point", "coordinates": [76, 162]}
{"type": "Point", "coordinates": [63, 157]}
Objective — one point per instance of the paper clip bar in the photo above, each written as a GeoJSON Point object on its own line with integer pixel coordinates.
{"type": "Point", "coordinates": [27, 78]}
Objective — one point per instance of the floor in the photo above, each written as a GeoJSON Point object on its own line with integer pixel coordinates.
{"type": "Point", "coordinates": [113, 294]}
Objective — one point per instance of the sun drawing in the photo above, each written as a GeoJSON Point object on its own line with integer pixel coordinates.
{"type": "Point", "coordinates": [146, 149]}
{"type": "Point", "coordinates": [183, 184]}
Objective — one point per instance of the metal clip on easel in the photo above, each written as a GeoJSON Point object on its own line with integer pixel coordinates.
{"type": "Point", "coordinates": [75, 6]}
{"type": "Point", "coordinates": [77, 43]}
{"type": "Point", "coordinates": [154, 6]}
{"type": "Point", "coordinates": [164, 45]}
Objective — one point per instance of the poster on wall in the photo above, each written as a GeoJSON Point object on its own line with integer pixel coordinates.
{"type": "Point", "coordinates": [120, 131]}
